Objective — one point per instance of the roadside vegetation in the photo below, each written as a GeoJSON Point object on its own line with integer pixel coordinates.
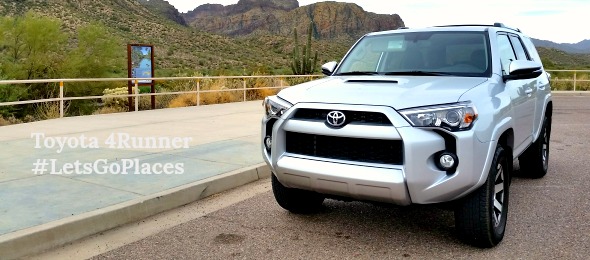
{"type": "Point", "coordinates": [35, 47]}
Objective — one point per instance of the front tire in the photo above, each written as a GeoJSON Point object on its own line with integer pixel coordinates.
{"type": "Point", "coordinates": [480, 218]}
{"type": "Point", "coordinates": [296, 200]}
{"type": "Point", "coordinates": [534, 162]}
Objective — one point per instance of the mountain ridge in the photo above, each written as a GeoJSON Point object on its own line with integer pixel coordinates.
{"type": "Point", "coordinates": [579, 47]}
{"type": "Point", "coordinates": [330, 19]}
{"type": "Point", "coordinates": [165, 9]}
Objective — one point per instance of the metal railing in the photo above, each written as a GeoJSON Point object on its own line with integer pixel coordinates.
{"type": "Point", "coordinates": [136, 93]}
{"type": "Point", "coordinates": [198, 88]}
{"type": "Point", "coordinates": [573, 79]}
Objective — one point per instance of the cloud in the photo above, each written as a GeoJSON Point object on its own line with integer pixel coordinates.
{"type": "Point", "coordinates": [541, 13]}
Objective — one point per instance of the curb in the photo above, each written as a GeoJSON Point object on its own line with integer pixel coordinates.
{"type": "Point", "coordinates": [39, 238]}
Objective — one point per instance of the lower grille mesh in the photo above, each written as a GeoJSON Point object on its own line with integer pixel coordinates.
{"type": "Point", "coordinates": [345, 148]}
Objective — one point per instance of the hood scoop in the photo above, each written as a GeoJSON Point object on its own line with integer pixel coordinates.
{"type": "Point", "coordinates": [390, 81]}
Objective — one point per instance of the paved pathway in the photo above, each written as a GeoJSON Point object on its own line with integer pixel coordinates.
{"type": "Point", "coordinates": [186, 145]}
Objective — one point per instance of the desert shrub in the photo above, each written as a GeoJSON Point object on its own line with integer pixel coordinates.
{"type": "Point", "coordinates": [48, 110]}
{"type": "Point", "coordinates": [226, 96]}
{"type": "Point", "coordinates": [298, 80]}
{"type": "Point", "coordinates": [563, 80]}
{"type": "Point", "coordinates": [264, 87]}
{"type": "Point", "coordinates": [109, 110]}
{"type": "Point", "coordinates": [165, 101]}
{"type": "Point", "coordinates": [11, 121]}
{"type": "Point", "coordinates": [3, 121]}
{"type": "Point", "coordinates": [109, 98]}
{"type": "Point", "coordinates": [183, 100]}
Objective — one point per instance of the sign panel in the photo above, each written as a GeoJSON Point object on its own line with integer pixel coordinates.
{"type": "Point", "coordinates": [140, 65]}
{"type": "Point", "coordinates": [141, 62]}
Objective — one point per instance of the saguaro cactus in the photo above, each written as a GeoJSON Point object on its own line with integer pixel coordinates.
{"type": "Point", "coordinates": [303, 63]}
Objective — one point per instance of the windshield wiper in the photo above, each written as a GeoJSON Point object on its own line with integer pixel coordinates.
{"type": "Point", "coordinates": [418, 73]}
{"type": "Point", "coordinates": [354, 73]}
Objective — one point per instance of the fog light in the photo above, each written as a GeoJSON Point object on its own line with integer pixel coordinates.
{"type": "Point", "coordinates": [268, 143]}
{"type": "Point", "coordinates": [447, 161]}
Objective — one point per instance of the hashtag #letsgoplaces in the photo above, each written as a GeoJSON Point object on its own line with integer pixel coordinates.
{"type": "Point", "coordinates": [102, 166]}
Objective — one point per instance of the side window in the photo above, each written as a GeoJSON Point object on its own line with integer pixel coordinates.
{"type": "Point", "coordinates": [506, 53]}
{"type": "Point", "coordinates": [518, 48]}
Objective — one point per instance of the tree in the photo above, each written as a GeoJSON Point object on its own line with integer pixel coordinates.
{"type": "Point", "coordinates": [97, 54]}
{"type": "Point", "coordinates": [31, 47]}
{"type": "Point", "coordinates": [303, 64]}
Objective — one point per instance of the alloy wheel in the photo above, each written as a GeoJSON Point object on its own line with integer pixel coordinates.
{"type": "Point", "coordinates": [498, 195]}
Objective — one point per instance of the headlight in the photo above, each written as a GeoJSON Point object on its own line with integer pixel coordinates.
{"type": "Point", "coordinates": [453, 117]}
{"type": "Point", "coordinates": [275, 107]}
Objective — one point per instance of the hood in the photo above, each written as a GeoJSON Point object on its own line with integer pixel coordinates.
{"type": "Point", "coordinates": [399, 92]}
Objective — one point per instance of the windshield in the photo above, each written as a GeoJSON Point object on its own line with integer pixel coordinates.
{"type": "Point", "coordinates": [420, 54]}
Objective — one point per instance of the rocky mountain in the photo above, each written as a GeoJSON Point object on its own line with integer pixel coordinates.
{"type": "Point", "coordinates": [279, 17]}
{"type": "Point", "coordinates": [178, 49]}
{"type": "Point", "coordinates": [580, 47]}
{"type": "Point", "coordinates": [165, 9]}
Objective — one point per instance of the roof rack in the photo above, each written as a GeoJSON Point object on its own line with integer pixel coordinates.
{"type": "Point", "coordinates": [500, 25]}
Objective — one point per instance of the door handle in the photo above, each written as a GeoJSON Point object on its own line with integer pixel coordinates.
{"type": "Point", "coordinates": [528, 91]}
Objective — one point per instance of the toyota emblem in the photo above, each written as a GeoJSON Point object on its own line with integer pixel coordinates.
{"type": "Point", "coordinates": [335, 119]}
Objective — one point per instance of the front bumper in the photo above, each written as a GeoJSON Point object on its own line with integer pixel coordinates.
{"type": "Point", "coordinates": [415, 180]}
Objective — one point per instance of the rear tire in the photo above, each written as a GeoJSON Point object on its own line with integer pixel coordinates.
{"type": "Point", "coordinates": [296, 200]}
{"type": "Point", "coordinates": [480, 218]}
{"type": "Point", "coordinates": [534, 162]}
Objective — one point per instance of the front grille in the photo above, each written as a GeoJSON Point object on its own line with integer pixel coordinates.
{"type": "Point", "coordinates": [355, 117]}
{"type": "Point", "coordinates": [345, 148]}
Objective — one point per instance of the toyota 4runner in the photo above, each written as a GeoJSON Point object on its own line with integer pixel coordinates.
{"type": "Point", "coordinates": [416, 116]}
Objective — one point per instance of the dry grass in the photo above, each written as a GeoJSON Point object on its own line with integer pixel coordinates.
{"type": "Point", "coordinates": [13, 120]}
{"type": "Point", "coordinates": [226, 91]}
{"type": "Point", "coordinates": [109, 110]}
{"type": "Point", "coordinates": [49, 110]}
{"type": "Point", "coordinates": [229, 91]}
{"type": "Point", "coordinates": [264, 87]}
{"type": "Point", "coordinates": [183, 100]}
{"type": "Point", "coordinates": [560, 83]}
{"type": "Point", "coordinates": [4, 122]}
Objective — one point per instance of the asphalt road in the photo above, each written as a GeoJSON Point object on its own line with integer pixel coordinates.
{"type": "Point", "coordinates": [549, 218]}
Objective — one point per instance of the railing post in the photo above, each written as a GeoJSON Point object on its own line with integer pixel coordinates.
{"type": "Point", "coordinates": [244, 82]}
{"type": "Point", "coordinates": [61, 99]}
{"type": "Point", "coordinates": [136, 95]}
{"type": "Point", "coordinates": [198, 92]}
{"type": "Point", "coordinates": [574, 80]}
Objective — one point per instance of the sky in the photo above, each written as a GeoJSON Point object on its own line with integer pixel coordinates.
{"type": "Point", "coordinates": [561, 21]}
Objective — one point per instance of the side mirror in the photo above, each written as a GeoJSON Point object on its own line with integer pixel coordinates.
{"type": "Point", "coordinates": [523, 69]}
{"type": "Point", "coordinates": [328, 68]}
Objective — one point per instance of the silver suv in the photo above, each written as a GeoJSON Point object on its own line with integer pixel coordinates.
{"type": "Point", "coordinates": [416, 116]}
